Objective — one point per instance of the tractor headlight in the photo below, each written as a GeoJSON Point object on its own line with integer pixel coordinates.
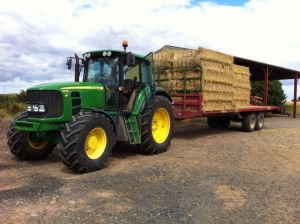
{"type": "Point", "coordinates": [36, 107]}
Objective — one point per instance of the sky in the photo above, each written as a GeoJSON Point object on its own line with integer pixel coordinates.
{"type": "Point", "coordinates": [37, 36]}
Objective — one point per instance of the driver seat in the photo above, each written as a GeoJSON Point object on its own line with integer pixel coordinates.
{"type": "Point", "coordinates": [128, 87]}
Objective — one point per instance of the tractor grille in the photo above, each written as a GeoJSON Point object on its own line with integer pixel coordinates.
{"type": "Point", "coordinates": [76, 102]}
{"type": "Point", "coordinates": [53, 100]}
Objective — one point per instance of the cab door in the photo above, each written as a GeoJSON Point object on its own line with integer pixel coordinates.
{"type": "Point", "coordinates": [148, 78]}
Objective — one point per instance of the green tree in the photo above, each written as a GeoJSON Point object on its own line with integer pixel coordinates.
{"type": "Point", "coordinates": [276, 95]}
{"type": "Point", "coordinates": [22, 96]}
{"type": "Point", "coordinates": [2, 100]}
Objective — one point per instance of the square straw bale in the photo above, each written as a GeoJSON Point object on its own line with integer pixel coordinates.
{"type": "Point", "coordinates": [163, 60]}
{"type": "Point", "coordinates": [211, 55]}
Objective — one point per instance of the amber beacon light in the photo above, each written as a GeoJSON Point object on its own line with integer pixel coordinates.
{"type": "Point", "coordinates": [125, 43]}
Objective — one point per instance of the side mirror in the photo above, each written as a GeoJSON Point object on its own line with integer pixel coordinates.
{"type": "Point", "coordinates": [69, 63]}
{"type": "Point", "coordinates": [130, 59]}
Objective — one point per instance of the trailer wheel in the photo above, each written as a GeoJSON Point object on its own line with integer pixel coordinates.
{"type": "Point", "coordinates": [213, 122]}
{"type": "Point", "coordinates": [87, 142]}
{"type": "Point", "coordinates": [23, 145]}
{"type": "Point", "coordinates": [224, 124]}
{"type": "Point", "coordinates": [260, 121]}
{"type": "Point", "coordinates": [157, 126]}
{"type": "Point", "coordinates": [249, 122]}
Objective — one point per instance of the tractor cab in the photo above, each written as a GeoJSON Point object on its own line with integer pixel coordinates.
{"type": "Point", "coordinates": [123, 75]}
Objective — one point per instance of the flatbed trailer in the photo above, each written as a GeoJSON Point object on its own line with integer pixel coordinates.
{"type": "Point", "coordinates": [189, 103]}
{"type": "Point", "coordinates": [190, 106]}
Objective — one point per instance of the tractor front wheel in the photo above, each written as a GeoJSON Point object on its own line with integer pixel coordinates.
{"type": "Point", "coordinates": [157, 126]}
{"type": "Point", "coordinates": [23, 144]}
{"type": "Point", "coordinates": [87, 142]}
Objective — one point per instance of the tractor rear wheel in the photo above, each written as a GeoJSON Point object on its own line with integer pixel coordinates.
{"type": "Point", "coordinates": [249, 122]}
{"type": "Point", "coordinates": [23, 145]}
{"type": "Point", "coordinates": [87, 142]}
{"type": "Point", "coordinates": [157, 127]}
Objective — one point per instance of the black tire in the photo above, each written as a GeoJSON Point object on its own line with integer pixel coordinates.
{"type": "Point", "coordinates": [157, 127]}
{"type": "Point", "coordinates": [23, 147]}
{"type": "Point", "coordinates": [224, 124]}
{"type": "Point", "coordinates": [213, 122]}
{"type": "Point", "coordinates": [260, 120]}
{"type": "Point", "coordinates": [87, 142]}
{"type": "Point", "coordinates": [249, 121]}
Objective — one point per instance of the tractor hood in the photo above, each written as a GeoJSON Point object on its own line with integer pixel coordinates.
{"type": "Point", "coordinates": [61, 86]}
{"type": "Point", "coordinates": [65, 99]}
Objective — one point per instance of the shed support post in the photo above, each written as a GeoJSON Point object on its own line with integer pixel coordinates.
{"type": "Point", "coordinates": [266, 85]}
{"type": "Point", "coordinates": [296, 78]}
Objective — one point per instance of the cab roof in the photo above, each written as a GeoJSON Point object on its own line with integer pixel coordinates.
{"type": "Point", "coordinates": [116, 51]}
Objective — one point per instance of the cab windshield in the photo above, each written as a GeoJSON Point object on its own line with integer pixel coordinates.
{"type": "Point", "coordinates": [104, 71]}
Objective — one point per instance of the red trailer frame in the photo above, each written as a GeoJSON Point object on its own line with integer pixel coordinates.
{"type": "Point", "coordinates": [190, 105]}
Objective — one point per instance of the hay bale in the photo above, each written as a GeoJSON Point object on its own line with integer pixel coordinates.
{"type": "Point", "coordinates": [225, 86]}
{"type": "Point", "coordinates": [210, 55]}
{"type": "Point", "coordinates": [188, 73]}
{"type": "Point", "coordinates": [185, 58]}
{"type": "Point", "coordinates": [163, 60]}
{"type": "Point", "coordinates": [199, 57]}
{"type": "Point", "coordinates": [216, 105]}
{"type": "Point", "coordinates": [241, 86]}
{"type": "Point", "coordinates": [165, 74]}
{"type": "Point", "coordinates": [217, 87]}
{"type": "Point", "coordinates": [216, 75]}
{"type": "Point", "coordinates": [215, 96]}
{"type": "Point", "coordinates": [238, 69]}
{"type": "Point", "coordinates": [213, 65]}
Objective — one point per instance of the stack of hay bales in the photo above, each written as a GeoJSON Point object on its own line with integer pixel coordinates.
{"type": "Point", "coordinates": [224, 85]}
{"type": "Point", "coordinates": [241, 84]}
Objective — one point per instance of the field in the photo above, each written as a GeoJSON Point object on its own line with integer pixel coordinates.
{"type": "Point", "coordinates": [12, 104]}
{"type": "Point", "coordinates": [206, 176]}
{"type": "Point", "coordinates": [290, 107]}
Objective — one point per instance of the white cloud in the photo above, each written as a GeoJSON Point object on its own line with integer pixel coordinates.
{"type": "Point", "coordinates": [289, 91]}
{"type": "Point", "coordinates": [37, 36]}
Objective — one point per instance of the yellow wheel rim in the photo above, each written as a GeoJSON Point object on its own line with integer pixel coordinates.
{"type": "Point", "coordinates": [95, 143]}
{"type": "Point", "coordinates": [160, 125]}
{"type": "Point", "coordinates": [38, 145]}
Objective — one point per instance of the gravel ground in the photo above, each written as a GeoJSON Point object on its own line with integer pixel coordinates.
{"type": "Point", "coordinates": [206, 176]}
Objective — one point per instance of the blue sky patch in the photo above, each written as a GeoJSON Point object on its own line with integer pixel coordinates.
{"type": "Point", "coordinates": [223, 2]}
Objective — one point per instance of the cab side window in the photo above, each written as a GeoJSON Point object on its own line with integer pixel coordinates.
{"type": "Point", "coordinates": [133, 73]}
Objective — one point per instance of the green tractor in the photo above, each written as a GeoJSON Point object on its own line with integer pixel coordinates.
{"type": "Point", "coordinates": [115, 101]}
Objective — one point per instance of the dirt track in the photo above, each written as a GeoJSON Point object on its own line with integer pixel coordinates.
{"type": "Point", "coordinates": [206, 176]}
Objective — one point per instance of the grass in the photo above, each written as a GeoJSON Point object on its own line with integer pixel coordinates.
{"type": "Point", "coordinates": [290, 106]}
{"type": "Point", "coordinates": [10, 110]}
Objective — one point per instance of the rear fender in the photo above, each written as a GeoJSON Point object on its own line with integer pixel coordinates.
{"type": "Point", "coordinates": [162, 92]}
{"type": "Point", "coordinates": [158, 92]}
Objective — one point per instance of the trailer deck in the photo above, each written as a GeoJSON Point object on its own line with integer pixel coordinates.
{"type": "Point", "coordinates": [190, 105]}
